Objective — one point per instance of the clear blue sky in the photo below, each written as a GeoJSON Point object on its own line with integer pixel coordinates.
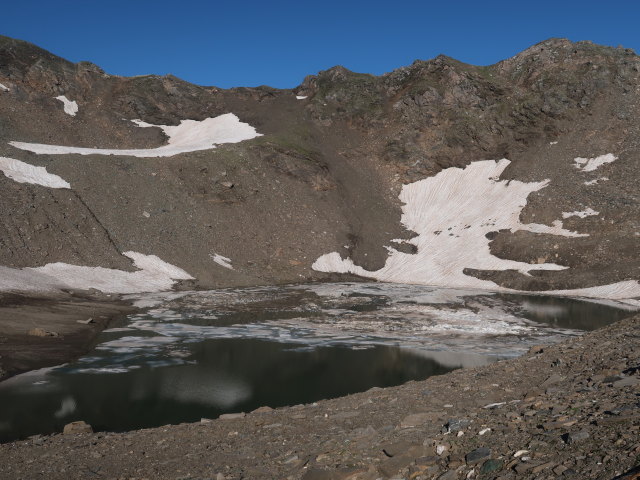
{"type": "Point", "coordinates": [272, 42]}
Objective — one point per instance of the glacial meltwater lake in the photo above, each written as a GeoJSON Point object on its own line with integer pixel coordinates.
{"type": "Point", "coordinates": [193, 355]}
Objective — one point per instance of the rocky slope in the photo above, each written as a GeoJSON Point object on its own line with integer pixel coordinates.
{"type": "Point", "coordinates": [326, 172]}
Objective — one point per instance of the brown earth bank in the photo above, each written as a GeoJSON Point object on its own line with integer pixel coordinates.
{"type": "Point", "coordinates": [570, 410]}
{"type": "Point", "coordinates": [46, 330]}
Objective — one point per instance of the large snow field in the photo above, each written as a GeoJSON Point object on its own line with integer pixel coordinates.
{"type": "Point", "coordinates": [452, 212]}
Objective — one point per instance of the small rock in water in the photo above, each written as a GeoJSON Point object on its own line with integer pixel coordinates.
{"type": "Point", "coordinates": [477, 455]}
{"type": "Point", "coordinates": [77, 427]}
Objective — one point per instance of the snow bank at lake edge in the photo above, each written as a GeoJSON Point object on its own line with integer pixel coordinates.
{"type": "Point", "coordinates": [153, 275]}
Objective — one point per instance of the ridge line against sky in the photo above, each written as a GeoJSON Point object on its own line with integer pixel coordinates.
{"type": "Point", "coordinates": [278, 43]}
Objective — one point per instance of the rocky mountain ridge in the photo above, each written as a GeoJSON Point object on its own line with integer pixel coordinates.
{"type": "Point", "coordinates": [326, 171]}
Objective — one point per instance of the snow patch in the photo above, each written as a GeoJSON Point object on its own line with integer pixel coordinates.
{"type": "Point", "coordinates": [452, 212]}
{"type": "Point", "coordinates": [596, 180]}
{"type": "Point", "coordinates": [588, 212]}
{"type": "Point", "coordinates": [4, 88]}
{"type": "Point", "coordinates": [153, 275]}
{"type": "Point", "coordinates": [624, 291]}
{"type": "Point", "coordinates": [70, 107]}
{"type": "Point", "coordinates": [556, 228]}
{"type": "Point", "coordinates": [553, 143]}
{"type": "Point", "coordinates": [300, 97]}
{"type": "Point", "coordinates": [591, 164]}
{"type": "Point", "coordinates": [189, 136]}
{"type": "Point", "coordinates": [22, 172]}
{"type": "Point", "coordinates": [222, 261]}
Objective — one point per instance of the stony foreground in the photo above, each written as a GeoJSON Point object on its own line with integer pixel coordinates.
{"type": "Point", "coordinates": [565, 411]}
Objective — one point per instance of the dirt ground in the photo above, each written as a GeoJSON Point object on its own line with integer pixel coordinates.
{"type": "Point", "coordinates": [37, 332]}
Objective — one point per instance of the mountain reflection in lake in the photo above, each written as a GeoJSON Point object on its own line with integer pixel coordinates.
{"type": "Point", "coordinates": [200, 354]}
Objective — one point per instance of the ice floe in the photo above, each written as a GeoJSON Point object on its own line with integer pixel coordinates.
{"type": "Point", "coordinates": [591, 164]}
{"type": "Point", "coordinates": [24, 173]}
{"type": "Point", "coordinates": [188, 136]}
{"type": "Point", "coordinates": [154, 274]}
{"type": "Point", "coordinates": [70, 107]}
{"type": "Point", "coordinates": [452, 212]}
{"type": "Point", "coordinates": [222, 261]}
{"type": "Point", "coordinates": [588, 212]}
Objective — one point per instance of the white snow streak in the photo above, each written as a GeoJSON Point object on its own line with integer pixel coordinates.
{"type": "Point", "coordinates": [556, 228]}
{"type": "Point", "coordinates": [153, 275]}
{"type": "Point", "coordinates": [623, 291]}
{"type": "Point", "coordinates": [222, 261]}
{"type": "Point", "coordinates": [588, 212]}
{"type": "Point", "coordinates": [596, 180]}
{"type": "Point", "coordinates": [4, 88]}
{"type": "Point", "coordinates": [24, 173]}
{"type": "Point", "coordinates": [300, 97]}
{"type": "Point", "coordinates": [591, 164]}
{"type": "Point", "coordinates": [452, 212]}
{"type": "Point", "coordinates": [70, 107]}
{"type": "Point", "coordinates": [189, 136]}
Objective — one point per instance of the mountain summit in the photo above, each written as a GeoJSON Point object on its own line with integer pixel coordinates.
{"type": "Point", "coordinates": [519, 175]}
